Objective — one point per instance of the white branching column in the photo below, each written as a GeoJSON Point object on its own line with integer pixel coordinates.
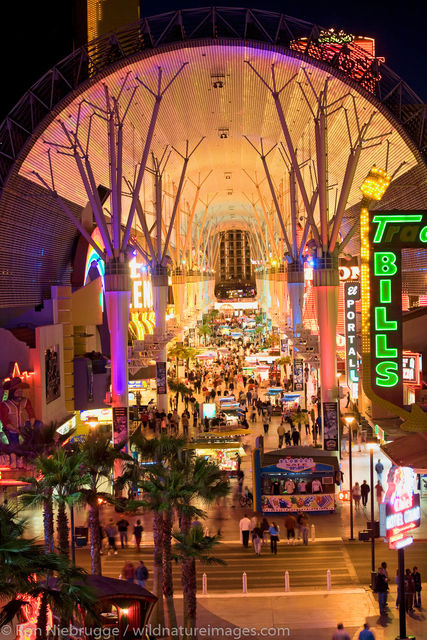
{"type": "Point", "coordinates": [323, 228]}
{"type": "Point", "coordinates": [117, 300]}
{"type": "Point", "coordinates": [159, 283]}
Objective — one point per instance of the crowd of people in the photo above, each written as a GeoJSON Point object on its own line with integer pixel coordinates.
{"type": "Point", "coordinates": [297, 528]}
{"type": "Point", "coordinates": [412, 588]}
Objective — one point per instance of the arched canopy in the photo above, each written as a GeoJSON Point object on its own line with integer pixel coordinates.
{"type": "Point", "coordinates": [217, 96]}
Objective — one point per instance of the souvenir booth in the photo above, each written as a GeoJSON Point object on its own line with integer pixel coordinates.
{"type": "Point", "coordinates": [295, 479]}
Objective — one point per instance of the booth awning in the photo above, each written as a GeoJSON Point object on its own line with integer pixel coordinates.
{"type": "Point", "coordinates": [408, 451]}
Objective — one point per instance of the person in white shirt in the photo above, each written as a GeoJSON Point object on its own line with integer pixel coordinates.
{"type": "Point", "coordinates": [316, 486]}
{"type": "Point", "coordinates": [289, 486]}
{"type": "Point", "coordinates": [245, 527]}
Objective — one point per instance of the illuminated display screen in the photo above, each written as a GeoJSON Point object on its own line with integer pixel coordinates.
{"type": "Point", "coordinates": [389, 233]}
{"type": "Point", "coordinates": [209, 410]}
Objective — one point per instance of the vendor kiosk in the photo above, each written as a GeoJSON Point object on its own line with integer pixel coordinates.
{"type": "Point", "coordinates": [295, 479]}
{"type": "Point", "coordinates": [225, 449]}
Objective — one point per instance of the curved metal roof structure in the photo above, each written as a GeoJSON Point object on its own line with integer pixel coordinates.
{"type": "Point", "coordinates": [215, 45]}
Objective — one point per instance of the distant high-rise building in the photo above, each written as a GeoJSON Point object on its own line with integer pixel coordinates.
{"type": "Point", "coordinates": [95, 18]}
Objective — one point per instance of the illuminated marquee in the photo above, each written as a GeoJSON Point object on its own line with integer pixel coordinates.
{"type": "Point", "coordinates": [400, 512]}
{"type": "Point", "coordinates": [389, 233]}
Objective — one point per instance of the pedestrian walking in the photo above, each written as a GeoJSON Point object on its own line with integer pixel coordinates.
{"type": "Point", "coordinates": [379, 492]}
{"type": "Point", "coordinates": [409, 591]}
{"type": "Point", "coordinates": [281, 434]}
{"type": "Point", "coordinates": [365, 489]}
{"type": "Point", "coordinates": [290, 524]}
{"type": "Point", "coordinates": [128, 572]}
{"type": "Point", "coordinates": [111, 532]}
{"type": "Point", "coordinates": [245, 528]}
{"type": "Point", "coordinates": [265, 421]}
{"type": "Point", "coordinates": [256, 539]}
{"type": "Point", "coordinates": [296, 437]}
{"type": "Point", "coordinates": [137, 534]}
{"type": "Point", "coordinates": [417, 583]}
{"type": "Point", "coordinates": [264, 528]}
{"type": "Point", "coordinates": [379, 468]}
{"type": "Point", "coordinates": [304, 528]}
{"type": "Point", "coordinates": [141, 574]}
{"type": "Point", "coordinates": [366, 633]}
{"type": "Point", "coordinates": [381, 588]}
{"type": "Point", "coordinates": [340, 633]}
{"type": "Point", "coordinates": [122, 526]}
{"type": "Point", "coordinates": [274, 537]}
{"type": "Point", "coordinates": [357, 494]}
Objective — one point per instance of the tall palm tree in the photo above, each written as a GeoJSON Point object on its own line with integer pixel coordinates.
{"type": "Point", "coordinates": [160, 487]}
{"type": "Point", "coordinates": [62, 471]}
{"type": "Point", "coordinates": [205, 330]}
{"type": "Point", "coordinates": [39, 494]}
{"type": "Point", "coordinates": [190, 547]}
{"type": "Point", "coordinates": [97, 456]}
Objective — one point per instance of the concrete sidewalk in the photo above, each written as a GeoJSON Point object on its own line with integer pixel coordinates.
{"type": "Point", "coordinates": [312, 615]}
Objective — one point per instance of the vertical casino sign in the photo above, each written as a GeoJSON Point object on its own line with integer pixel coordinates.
{"type": "Point", "coordinates": [351, 295]}
{"type": "Point", "coordinates": [384, 234]}
{"type": "Point", "coordinates": [400, 512]}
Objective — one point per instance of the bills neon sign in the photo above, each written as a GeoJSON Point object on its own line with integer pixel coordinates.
{"type": "Point", "coordinates": [389, 233]}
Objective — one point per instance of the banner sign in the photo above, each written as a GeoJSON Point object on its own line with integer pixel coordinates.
{"type": "Point", "coordinates": [284, 347]}
{"type": "Point", "coordinates": [162, 387]}
{"type": "Point", "coordinates": [389, 233]}
{"type": "Point", "coordinates": [298, 374]}
{"type": "Point", "coordinates": [351, 294]}
{"type": "Point", "coordinates": [120, 426]}
{"type": "Point", "coordinates": [330, 426]}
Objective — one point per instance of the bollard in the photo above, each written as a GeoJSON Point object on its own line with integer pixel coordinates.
{"type": "Point", "coordinates": [245, 582]}
{"type": "Point", "coordinates": [313, 533]}
{"type": "Point", "coordinates": [328, 580]}
{"type": "Point", "coordinates": [204, 584]}
{"type": "Point", "coordinates": [286, 581]}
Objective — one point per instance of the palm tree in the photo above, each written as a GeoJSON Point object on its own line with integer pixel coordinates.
{"type": "Point", "coordinates": [206, 483]}
{"type": "Point", "coordinates": [97, 456]}
{"type": "Point", "coordinates": [24, 571]}
{"type": "Point", "coordinates": [189, 548]}
{"type": "Point", "coordinates": [160, 487]}
{"type": "Point", "coordinates": [39, 494]}
{"type": "Point", "coordinates": [62, 472]}
{"type": "Point", "coordinates": [205, 330]}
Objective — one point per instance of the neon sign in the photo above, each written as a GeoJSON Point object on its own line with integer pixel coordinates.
{"type": "Point", "coordinates": [351, 294]}
{"type": "Point", "coordinates": [400, 512]}
{"type": "Point", "coordinates": [296, 464]}
{"type": "Point", "coordinates": [411, 368]}
{"type": "Point", "coordinates": [334, 37]}
{"type": "Point", "coordinates": [389, 232]}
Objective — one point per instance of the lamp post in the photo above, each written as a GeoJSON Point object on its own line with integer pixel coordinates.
{"type": "Point", "coordinates": [372, 444]}
{"type": "Point", "coordinates": [349, 418]}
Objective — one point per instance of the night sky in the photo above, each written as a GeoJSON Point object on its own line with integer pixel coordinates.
{"type": "Point", "coordinates": [35, 35]}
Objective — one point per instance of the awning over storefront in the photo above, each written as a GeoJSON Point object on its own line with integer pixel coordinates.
{"type": "Point", "coordinates": [408, 451]}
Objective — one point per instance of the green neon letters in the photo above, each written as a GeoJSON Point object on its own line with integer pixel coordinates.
{"type": "Point", "coordinates": [385, 263]}
{"type": "Point", "coordinates": [385, 291]}
{"type": "Point", "coordinates": [384, 220]}
{"type": "Point", "coordinates": [381, 348]}
{"type": "Point", "coordinates": [386, 374]}
{"type": "Point", "coordinates": [381, 322]}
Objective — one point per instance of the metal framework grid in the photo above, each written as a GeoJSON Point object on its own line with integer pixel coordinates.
{"type": "Point", "coordinates": [215, 24]}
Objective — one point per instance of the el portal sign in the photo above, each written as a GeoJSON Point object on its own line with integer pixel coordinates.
{"type": "Point", "coordinates": [384, 234]}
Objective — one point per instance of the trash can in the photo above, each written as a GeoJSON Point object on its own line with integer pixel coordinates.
{"type": "Point", "coordinates": [364, 535]}
{"type": "Point", "coordinates": [376, 528]}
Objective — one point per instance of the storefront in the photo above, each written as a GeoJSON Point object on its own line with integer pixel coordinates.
{"type": "Point", "coordinates": [302, 480]}
{"type": "Point", "coordinates": [225, 450]}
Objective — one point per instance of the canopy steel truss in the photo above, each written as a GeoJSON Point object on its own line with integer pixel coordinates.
{"type": "Point", "coordinates": [210, 25]}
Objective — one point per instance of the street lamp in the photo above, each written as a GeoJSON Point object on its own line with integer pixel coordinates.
{"type": "Point", "coordinates": [349, 418]}
{"type": "Point", "coordinates": [372, 444]}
